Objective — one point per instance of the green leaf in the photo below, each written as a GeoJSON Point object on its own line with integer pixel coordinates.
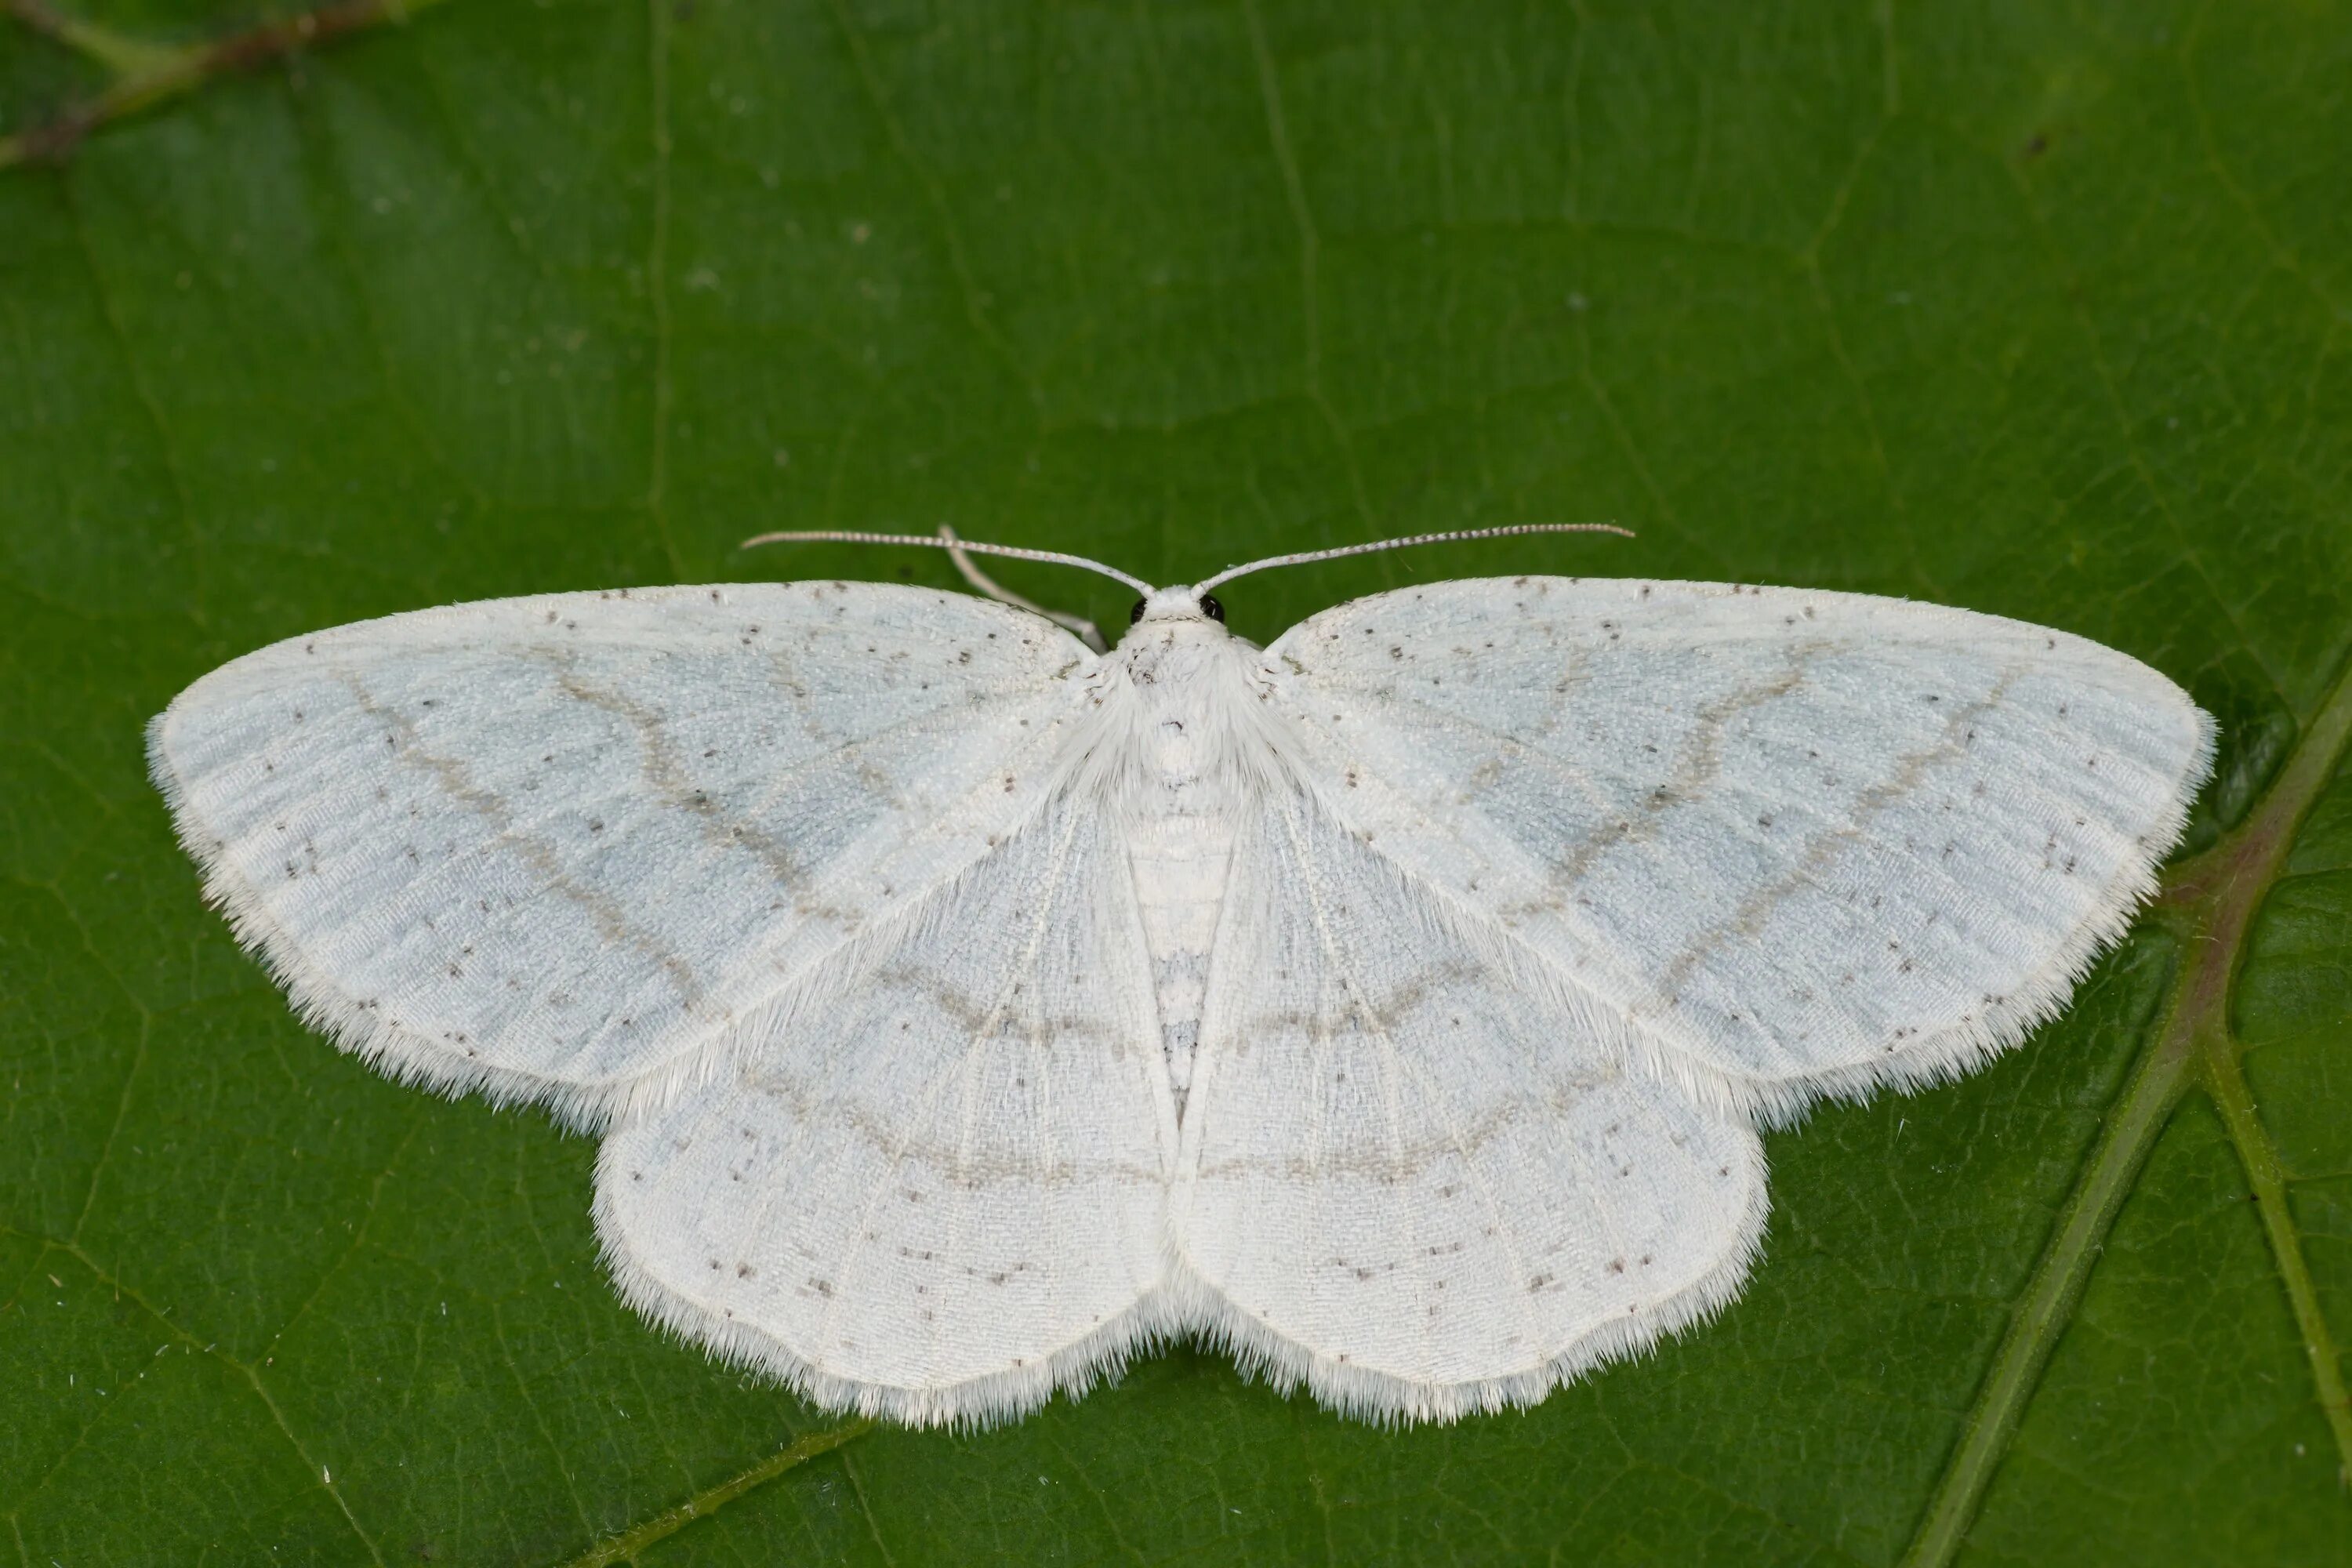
{"type": "Point", "coordinates": [2039, 309]}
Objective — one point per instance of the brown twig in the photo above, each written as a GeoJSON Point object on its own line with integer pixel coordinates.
{"type": "Point", "coordinates": [147, 75]}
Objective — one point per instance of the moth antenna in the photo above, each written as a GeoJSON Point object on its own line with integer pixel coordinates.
{"type": "Point", "coordinates": [929, 542]}
{"type": "Point", "coordinates": [1084, 629]}
{"type": "Point", "coordinates": [1229, 573]}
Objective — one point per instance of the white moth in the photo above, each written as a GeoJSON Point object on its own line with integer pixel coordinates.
{"type": "Point", "coordinates": [1395, 1006]}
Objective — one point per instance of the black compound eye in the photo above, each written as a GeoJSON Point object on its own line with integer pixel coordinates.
{"type": "Point", "coordinates": [1135, 614]}
{"type": "Point", "coordinates": [1211, 608]}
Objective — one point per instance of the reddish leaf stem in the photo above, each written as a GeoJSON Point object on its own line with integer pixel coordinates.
{"type": "Point", "coordinates": [148, 75]}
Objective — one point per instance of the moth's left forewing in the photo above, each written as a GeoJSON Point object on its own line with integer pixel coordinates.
{"type": "Point", "coordinates": [1803, 843]}
{"type": "Point", "coordinates": [574, 848]}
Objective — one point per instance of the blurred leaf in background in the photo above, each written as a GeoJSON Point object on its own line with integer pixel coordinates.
{"type": "Point", "coordinates": [2044, 309]}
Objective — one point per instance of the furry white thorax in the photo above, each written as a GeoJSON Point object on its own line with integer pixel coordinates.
{"type": "Point", "coordinates": [1180, 704]}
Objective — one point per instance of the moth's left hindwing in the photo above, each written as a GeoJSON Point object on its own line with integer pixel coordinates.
{"type": "Point", "coordinates": [936, 1190]}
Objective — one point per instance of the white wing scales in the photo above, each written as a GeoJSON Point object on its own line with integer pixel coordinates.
{"type": "Point", "coordinates": [1415, 1174]}
{"type": "Point", "coordinates": [815, 895]}
{"type": "Point", "coordinates": [938, 1192]}
{"type": "Point", "coordinates": [568, 848]}
{"type": "Point", "coordinates": [1803, 842]}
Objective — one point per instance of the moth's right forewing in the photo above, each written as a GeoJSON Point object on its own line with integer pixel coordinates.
{"type": "Point", "coordinates": [1802, 843]}
{"type": "Point", "coordinates": [570, 848]}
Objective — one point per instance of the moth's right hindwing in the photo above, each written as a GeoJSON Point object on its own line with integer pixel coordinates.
{"type": "Point", "coordinates": [569, 848]}
{"type": "Point", "coordinates": [1411, 1177]}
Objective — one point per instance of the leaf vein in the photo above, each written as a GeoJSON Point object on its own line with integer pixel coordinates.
{"type": "Point", "coordinates": [2212, 901]}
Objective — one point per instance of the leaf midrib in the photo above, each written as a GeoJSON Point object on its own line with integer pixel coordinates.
{"type": "Point", "coordinates": [2208, 905]}
{"type": "Point", "coordinates": [625, 1547]}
